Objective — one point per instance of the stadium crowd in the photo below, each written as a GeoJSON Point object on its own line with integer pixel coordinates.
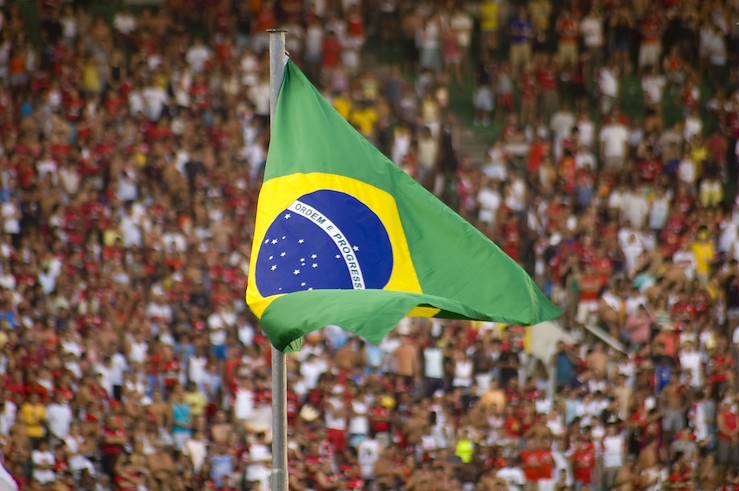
{"type": "Point", "coordinates": [131, 147]}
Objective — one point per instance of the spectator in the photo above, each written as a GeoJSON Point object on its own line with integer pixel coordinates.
{"type": "Point", "coordinates": [521, 32]}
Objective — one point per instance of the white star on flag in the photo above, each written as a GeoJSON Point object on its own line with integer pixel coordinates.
{"type": "Point", "coordinates": [274, 266]}
{"type": "Point", "coordinates": [300, 241]}
{"type": "Point", "coordinates": [287, 216]}
{"type": "Point", "coordinates": [296, 272]}
{"type": "Point", "coordinates": [314, 265]}
{"type": "Point", "coordinates": [313, 256]}
{"type": "Point", "coordinates": [282, 254]}
{"type": "Point", "coordinates": [355, 248]}
{"type": "Point", "coordinates": [274, 241]}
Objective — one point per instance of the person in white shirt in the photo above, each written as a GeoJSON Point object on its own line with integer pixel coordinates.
{"type": "Point", "coordinates": [614, 447]}
{"type": "Point", "coordinates": [433, 368]}
{"type": "Point", "coordinates": [653, 85]}
{"type": "Point", "coordinates": [196, 367]}
{"type": "Point", "coordinates": [137, 348]}
{"type": "Point", "coordinates": [591, 28]}
{"type": "Point", "coordinates": [312, 369]}
{"type": "Point", "coordinates": [124, 22]}
{"type": "Point", "coordinates": [104, 376]}
{"type": "Point", "coordinates": [59, 417]}
{"type": "Point", "coordinates": [462, 370]}
{"type": "Point", "coordinates": [244, 400]}
{"type": "Point", "coordinates": [660, 209]}
{"type": "Point", "coordinates": [313, 42]}
{"type": "Point", "coordinates": [7, 483]}
{"type": "Point", "coordinates": [401, 144]}
{"type": "Point", "coordinates": [609, 87]}
{"type": "Point", "coordinates": [358, 417]}
{"type": "Point", "coordinates": [635, 208]}
{"type": "Point", "coordinates": [585, 130]}
{"type": "Point", "coordinates": [495, 166]}
{"type": "Point", "coordinates": [489, 199]}
{"type": "Point", "coordinates": [335, 417]}
{"type": "Point", "coordinates": [561, 124]}
{"type": "Point", "coordinates": [613, 139]}
{"type": "Point", "coordinates": [513, 475]}
{"type": "Point", "coordinates": [155, 100]}
{"type": "Point", "coordinates": [693, 125]}
{"type": "Point", "coordinates": [43, 464]}
{"type": "Point", "coordinates": [260, 455]}
{"type": "Point", "coordinates": [196, 447]}
{"type": "Point", "coordinates": [691, 362]}
{"type": "Point", "coordinates": [259, 96]}
{"type": "Point", "coordinates": [685, 259]}
{"type": "Point", "coordinates": [368, 453]}
{"type": "Point", "coordinates": [197, 56]}
{"type": "Point", "coordinates": [219, 322]}
{"type": "Point", "coordinates": [7, 415]}
{"type": "Point", "coordinates": [633, 248]}
{"type": "Point", "coordinates": [118, 368]}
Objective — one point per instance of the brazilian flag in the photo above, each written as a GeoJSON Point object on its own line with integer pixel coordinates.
{"type": "Point", "coordinates": [344, 237]}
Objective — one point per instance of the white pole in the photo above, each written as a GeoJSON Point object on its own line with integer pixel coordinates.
{"type": "Point", "coordinates": [279, 375]}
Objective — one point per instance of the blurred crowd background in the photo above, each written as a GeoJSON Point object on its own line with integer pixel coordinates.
{"type": "Point", "coordinates": [594, 140]}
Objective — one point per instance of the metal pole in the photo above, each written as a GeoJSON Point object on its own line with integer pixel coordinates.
{"type": "Point", "coordinates": [279, 482]}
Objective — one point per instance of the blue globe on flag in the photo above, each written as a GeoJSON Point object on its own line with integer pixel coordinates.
{"type": "Point", "coordinates": [324, 240]}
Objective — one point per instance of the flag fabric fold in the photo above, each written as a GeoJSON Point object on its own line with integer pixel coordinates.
{"type": "Point", "coordinates": [343, 236]}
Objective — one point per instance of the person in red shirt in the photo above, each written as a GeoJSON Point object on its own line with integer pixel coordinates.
{"type": "Point", "coordinates": [583, 462]}
{"type": "Point", "coordinates": [331, 50]}
{"type": "Point", "coordinates": [728, 434]}
{"type": "Point", "coordinates": [546, 462]}
{"type": "Point", "coordinates": [380, 419]}
{"type": "Point", "coordinates": [530, 461]}
{"type": "Point", "coordinates": [591, 284]}
{"type": "Point", "coordinates": [538, 152]}
{"type": "Point", "coordinates": [512, 423]}
{"type": "Point", "coordinates": [567, 27]}
{"type": "Point", "coordinates": [170, 369]}
{"type": "Point", "coordinates": [112, 446]}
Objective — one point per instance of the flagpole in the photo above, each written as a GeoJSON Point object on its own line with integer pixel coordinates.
{"type": "Point", "coordinates": [279, 374]}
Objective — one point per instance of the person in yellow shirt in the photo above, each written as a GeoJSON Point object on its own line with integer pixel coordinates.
{"type": "Point", "coordinates": [196, 400]}
{"type": "Point", "coordinates": [489, 24]}
{"type": "Point", "coordinates": [91, 81]}
{"type": "Point", "coordinates": [364, 118]}
{"type": "Point", "coordinates": [343, 105]}
{"type": "Point", "coordinates": [33, 415]}
{"type": "Point", "coordinates": [704, 253]}
{"type": "Point", "coordinates": [465, 448]}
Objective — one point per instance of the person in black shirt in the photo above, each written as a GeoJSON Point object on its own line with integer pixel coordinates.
{"type": "Point", "coordinates": [508, 363]}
